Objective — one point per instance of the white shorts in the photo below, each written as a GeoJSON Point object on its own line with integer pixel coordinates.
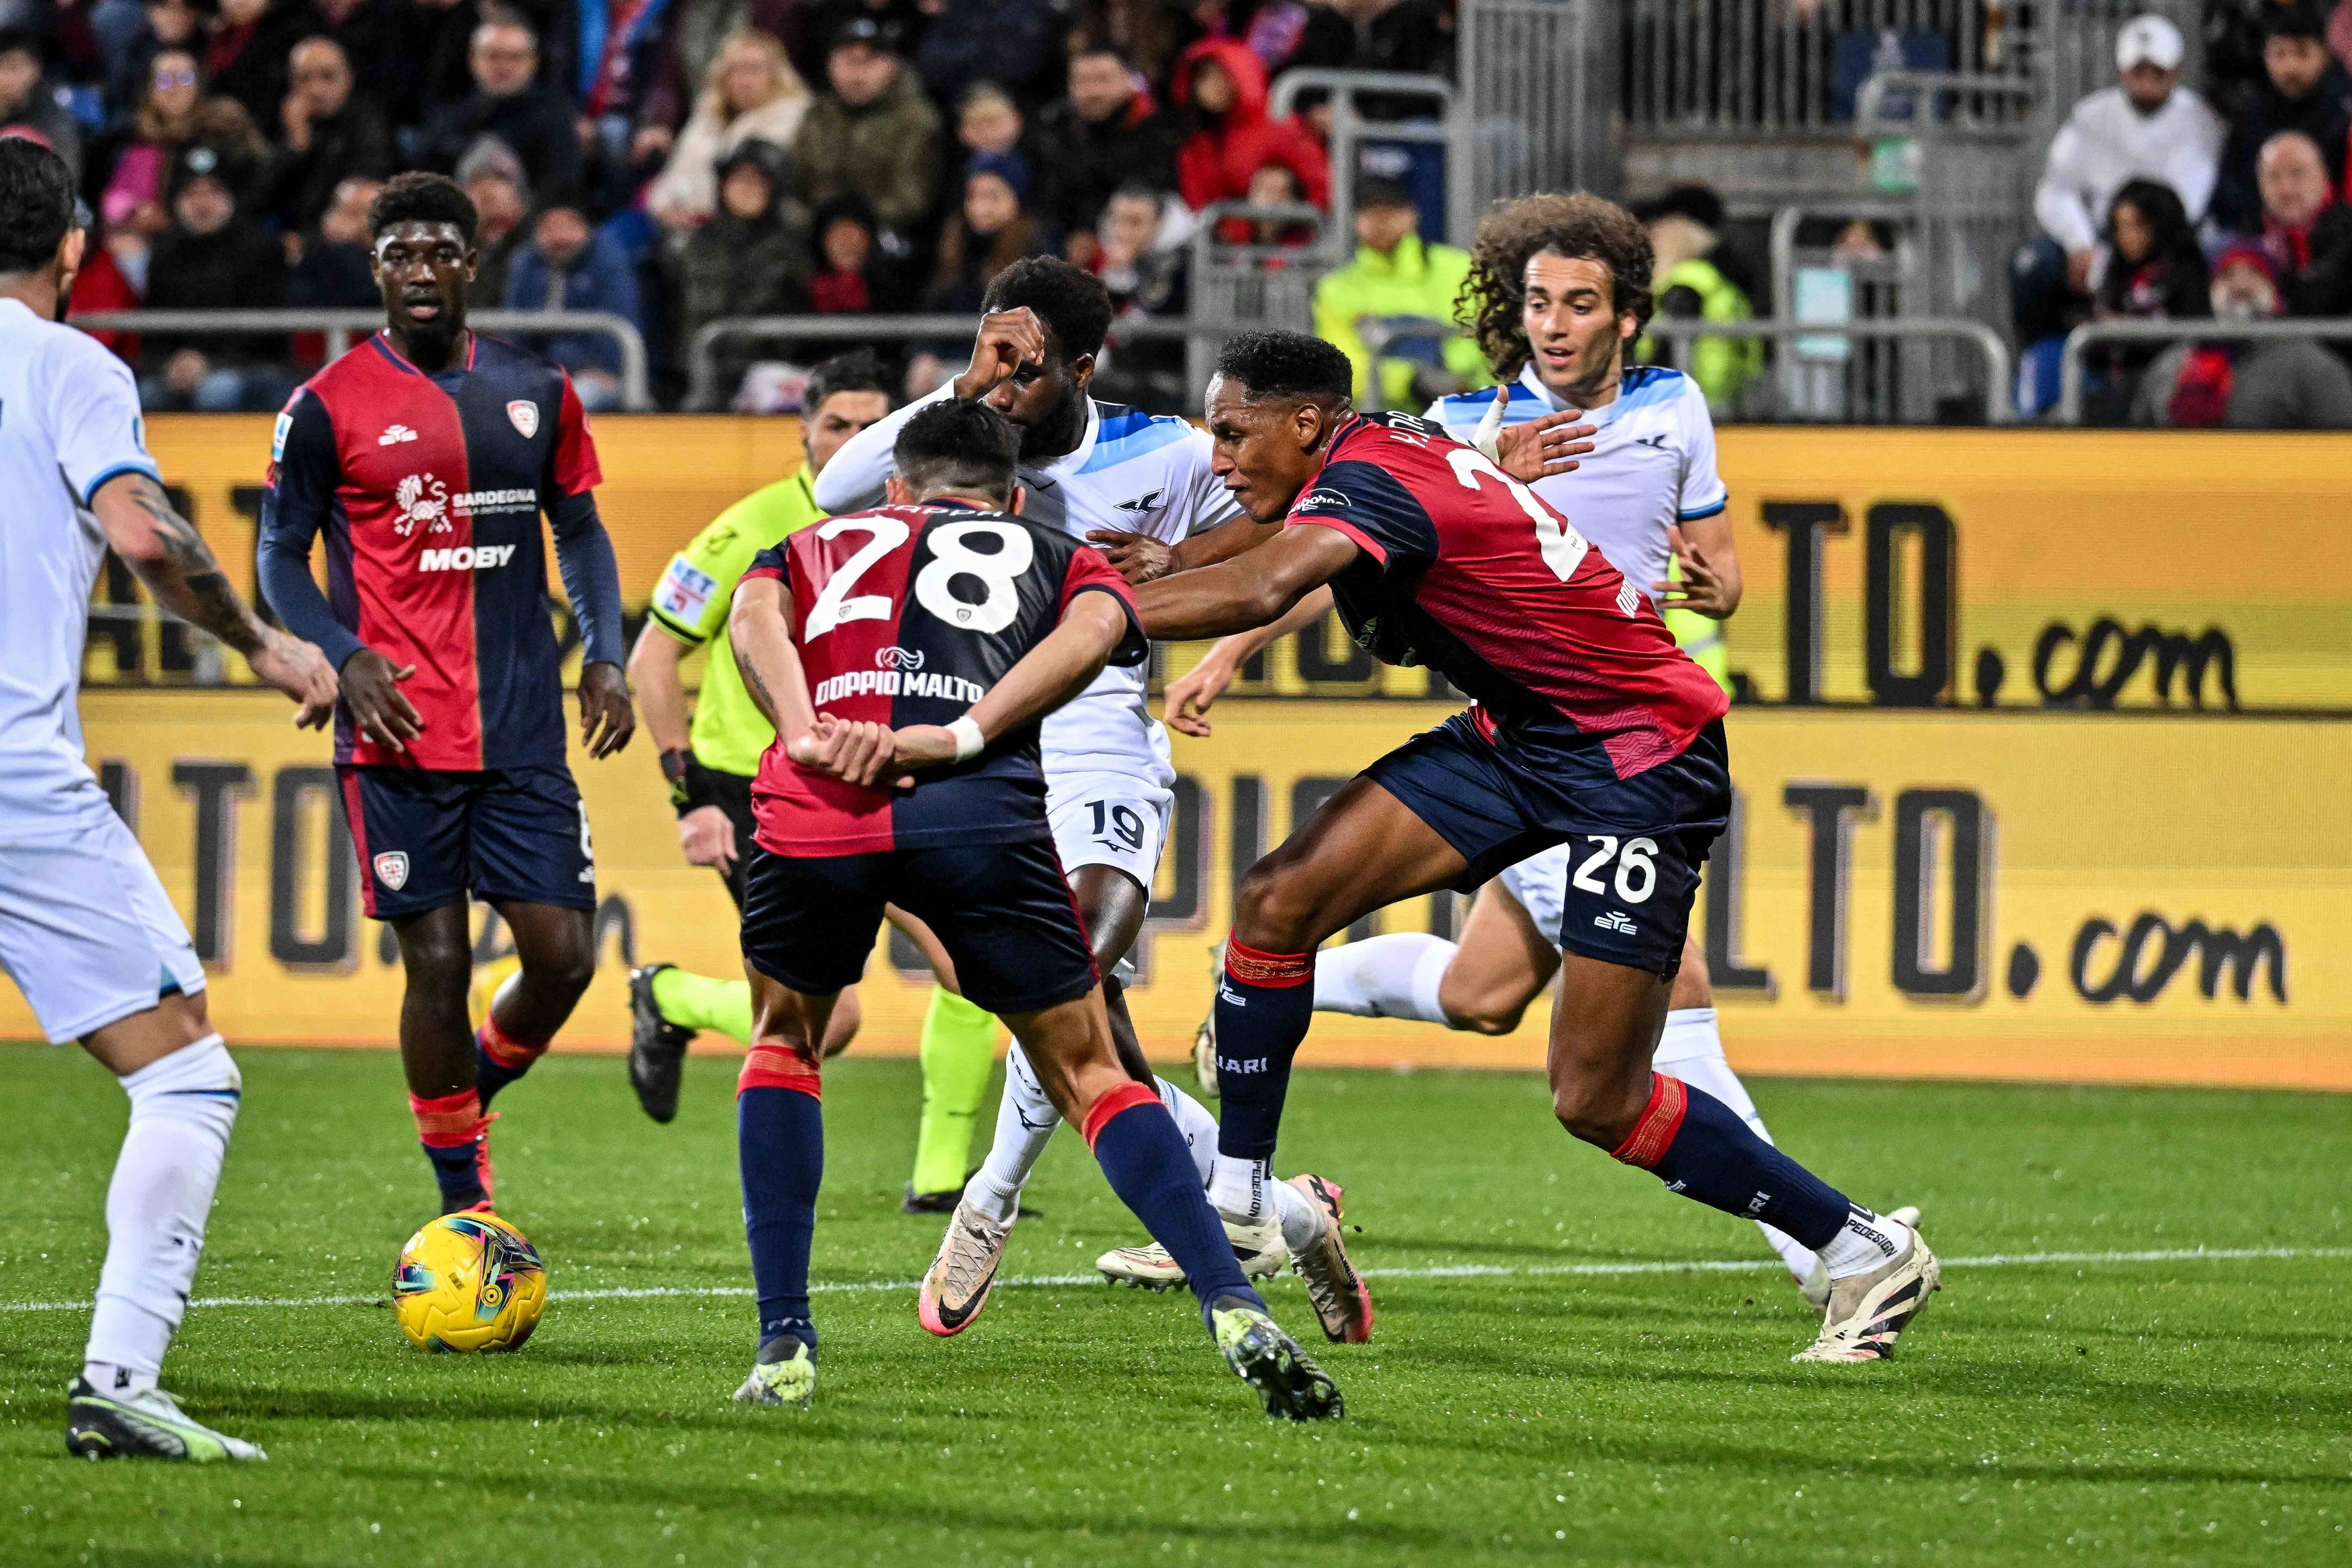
{"type": "Point", "coordinates": [1539, 882]}
{"type": "Point", "coordinates": [1109, 819]}
{"type": "Point", "coordinates": [85, 930]}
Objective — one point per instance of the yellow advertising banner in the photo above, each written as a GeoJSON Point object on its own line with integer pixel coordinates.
{"type": "Point", "coordinates": [2060, 896]}
{"type": "Point", "coordinates": [1892, 568]}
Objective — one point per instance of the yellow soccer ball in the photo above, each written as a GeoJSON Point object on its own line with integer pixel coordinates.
{"type": "Point", "coordinates": [469, 1283]}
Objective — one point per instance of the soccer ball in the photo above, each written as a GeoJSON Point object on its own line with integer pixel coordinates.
{"type": "Point", "coordinates": [469, 1283]}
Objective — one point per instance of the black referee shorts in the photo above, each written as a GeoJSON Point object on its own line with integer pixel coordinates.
{"type": "Point", "coordinates": [733, 793]}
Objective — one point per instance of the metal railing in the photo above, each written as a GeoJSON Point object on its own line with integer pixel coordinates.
{"type": "Point", "coordinates": [2328, 329]}
{"type": "Point", "coordinates": [1677, 336]}
{"type": "Point", "coordinates": [1350, 131]}
{"type": "Point", "coordinates": [339, 328]}
{"type": "Point", "coordinates": [702, 360]}
{"type": "Point", "coordinates": [1537, 103]}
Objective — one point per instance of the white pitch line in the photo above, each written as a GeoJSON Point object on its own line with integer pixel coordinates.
{"type": "Point", "coordinates": [1438, 1272]}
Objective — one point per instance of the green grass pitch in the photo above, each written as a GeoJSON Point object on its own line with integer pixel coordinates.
{"type": "Point", "coordinates": [1530, 1405]}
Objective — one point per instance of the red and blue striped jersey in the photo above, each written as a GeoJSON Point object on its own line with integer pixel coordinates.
{"type": "Point", "coordinates": [429, 491]}
{"type": "Point", "coordinates": [907, 614]}
{"type": "Point", "coordinates": [1469, 571]}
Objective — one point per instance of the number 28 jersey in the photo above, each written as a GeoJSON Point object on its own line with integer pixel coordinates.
{"type": "Point", "coordinates": [1469, 571]}
{"type": "Point", "coordinates": [908, 615]}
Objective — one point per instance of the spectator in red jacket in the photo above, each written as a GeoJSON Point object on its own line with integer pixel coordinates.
{"type": "Point", "coordinates": [1221, 83]}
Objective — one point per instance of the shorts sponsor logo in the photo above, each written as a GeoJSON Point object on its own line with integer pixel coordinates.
{"type": "Point", "coordinates": [466, 558]}
{"type": "Point", "coordinates": [898, 683]}
{"type": "Point", "coordinates": [898, 658]}
{"type": "Point", "coordinates": [392, 869]}
{"type": "Point", "coordinates": [684, 591]}
{"type": "Point", "coordinates": [525, 415]}
{"type": "Point", "coordinates": [1616, 921]}
{"type": "Point", "coordinates": [394, 435]}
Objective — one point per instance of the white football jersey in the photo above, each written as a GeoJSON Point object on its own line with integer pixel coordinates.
{"type": "Point", "coordinates": [1140, 473]}
{"type": "Point", "coordinates": [68, 422]}
{"type": "Point", "coordinates": [1651, 463]}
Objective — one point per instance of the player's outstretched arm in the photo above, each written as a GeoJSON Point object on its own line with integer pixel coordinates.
{"type": "Point", "coordinates": [1056, 669]}
{"type": "Point", "coordinates": [171, 557]}
{"type": "Point", "coordinates": [1711, 583]}
{"type": "Point", "coordinates": [591, 580]}
{"type": "Point", "coordinates": [1249, 591]}
{"type": "Point", "coordinates": [1192, 694]}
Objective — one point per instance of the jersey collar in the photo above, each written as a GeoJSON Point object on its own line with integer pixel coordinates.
{"type": "Point", "coordinates": [1534, 382]}
{"type": "Point", "coordinates": [383, 341]}
{"type": "Point", "coordinates": [1061, 467]}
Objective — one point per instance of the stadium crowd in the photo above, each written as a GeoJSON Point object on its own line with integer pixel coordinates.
{"type": "Point", "coordinates": [2161, 200]}
{"type": "Point", "coordinates": [668, 160]}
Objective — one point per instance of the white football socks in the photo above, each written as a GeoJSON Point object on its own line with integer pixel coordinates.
{"type": "Point", "coordinates": [1237, 1188]}
{"type": "Point", "coordinates": [1391, 976]}
{"type": "Point", "coordinates": [1300, 1222]}
{"type": "Point", "coordinates": [1692, 1050]}
{"type": "Point", "coordinates": [1026, 1121]}
{"type": "Point", "coordinates": [182, 1110]}
{"type": "Point", "coordinates": [1868, 1241]}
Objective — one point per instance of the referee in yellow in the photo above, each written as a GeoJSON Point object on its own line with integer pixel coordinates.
{"type": "Point", "coordinates": [708, 761]}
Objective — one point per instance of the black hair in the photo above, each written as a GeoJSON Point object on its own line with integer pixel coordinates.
{"type": "Point", "coordinates": [958, 445]}
{"type": "Point", "coordinates": [37, 204]}
{"type": "Point", "coordinates": [1071, 302]}
{"type": "Point", "coordinates": [416, 197]}
{"type": "Point", "coordinates": [1286, 364]}
{"type": "Point", "coordinates": [2298, 20]}
{"type": "Point", "coordinates": [856, 370]}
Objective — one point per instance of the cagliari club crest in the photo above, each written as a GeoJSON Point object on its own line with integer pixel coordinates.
{"type": "Point", "coordinates": [392, 869]}
{"type": "Point", "coordinates": [525, 415]}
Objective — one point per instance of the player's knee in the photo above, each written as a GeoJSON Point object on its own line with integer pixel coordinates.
{"type": "Point", "coordinates": [1273, 912]}
{"type": "Point", "coordinates": [565, 963]}
{"type": "Point", "coordinates": [438, 960]}
{"type": "Point", "coordinates": [1482, 1020]}
{"type": "Point", "coordinates": [1593, 1109]}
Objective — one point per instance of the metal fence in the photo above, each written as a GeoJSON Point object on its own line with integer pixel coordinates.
{"type": "Point", "coordinates": [1537, 102]}
{"type": "Point", "coordinates": [339, 328]}
{"type": "Point", "coordinates": [2072, 387]}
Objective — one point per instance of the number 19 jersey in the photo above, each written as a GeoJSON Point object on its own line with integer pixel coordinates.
{"type": "Point", "coordinates": [909, 615]}
{"type": "Point", "coordinates": [1469, 571]}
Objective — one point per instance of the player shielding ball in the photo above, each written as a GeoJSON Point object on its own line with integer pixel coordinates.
{"type": "Point", "coordinates": [1558, 293]}
{"type": "Point", "coordinates": [1589, 727]}
{"type": "Point", "coordinates": [426, 456]}
{"type": "Point", "coordinates": [85, 930]}
{"type": "Point", "coordinates": [924, 641]}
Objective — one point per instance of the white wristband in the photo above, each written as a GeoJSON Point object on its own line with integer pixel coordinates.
{"type": "Point", "coordinates": [967, 738]}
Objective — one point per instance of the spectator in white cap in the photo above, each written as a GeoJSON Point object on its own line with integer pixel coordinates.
{"type": "Point", "coordinates": [2146, 126]}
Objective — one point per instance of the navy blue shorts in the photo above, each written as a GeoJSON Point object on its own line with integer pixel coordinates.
{"type": "Point", "coordinates": [1004, 912]}
{"type": "Point", "coordinates": [1636, 846]}
{"type": "Point", "coordinates": [428, 838]}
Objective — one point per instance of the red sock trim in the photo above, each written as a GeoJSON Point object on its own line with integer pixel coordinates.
{"type": "Point", "coordinates": [1125, 1097]}
{"type": "Point", "coordinates": [1653, 1132]}
{"type": "Point", "coordinates": [450, 1121]}
{"type": "Point", "coordinates": [777, 1066]}
{"type": "Point", "coordinates": [1280, 971]}
{"type": "Point", "coordinates": [504, 1049]}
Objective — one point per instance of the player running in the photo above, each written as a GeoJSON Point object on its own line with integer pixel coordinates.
{"type": "Point", "coordinates": [929, 637]}
{"type": "Point", "coordinates": [426, 455]}
{"type": "Point", "coordinates": [1588, 728]}
{"type": "Point", "coordinates": [1144, 486]}
{"type": "Point", "coordinates": [1559, 287]}
{"type": "Point", "coordinates": [85, 930]}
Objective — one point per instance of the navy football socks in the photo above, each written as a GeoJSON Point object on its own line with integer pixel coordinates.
{"type": "Point", "coordinates": [1702, 1149]}
{"type": "Point", "coordinates": [780, 1147]}
{"type": "Point", "coordinates": [1147, 1164]}
{"type": "Point", "coordinates": [1264, 1002]}
{"type": "Point", "coordinates": [457, 1172]}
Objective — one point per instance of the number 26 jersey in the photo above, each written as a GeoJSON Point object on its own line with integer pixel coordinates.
{"type": "Point", "coordinates": [908, 615]}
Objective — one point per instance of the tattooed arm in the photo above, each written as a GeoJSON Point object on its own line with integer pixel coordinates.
{"type": "Point", "coordinates": [172, 558]}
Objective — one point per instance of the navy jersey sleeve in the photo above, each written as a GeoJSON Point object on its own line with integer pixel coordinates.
{"type": "Point", "coordinates": [584, 551]}
{"type": "Point", "coordinates": [1372, 507]}
{"type": "Point", "coordinates": [1090, 571]}
{"type": "Point", "coordinates": [304, 471]}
